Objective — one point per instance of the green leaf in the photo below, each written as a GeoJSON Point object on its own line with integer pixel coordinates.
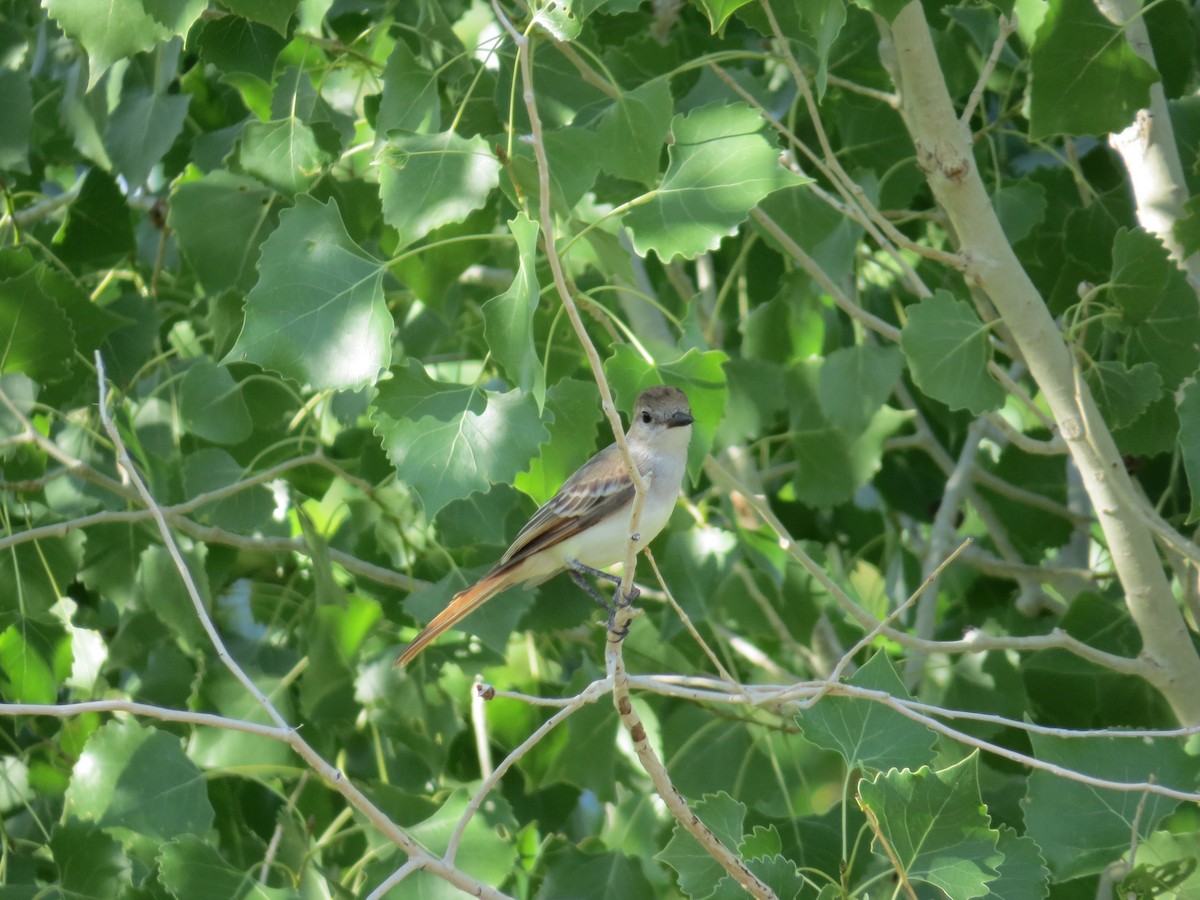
{"type": "Point", "coordinates": [935, 826]}
{"type": "Point", "coordinates": [16, 99]}
{"type": "Point", "coordinates": [948, 352]}
{"type": "Point", "coordinates": [720, 168]}
{"type": "Point", "coordinates": [700, 375]}
{"type": "Point", "coordinates": [1158, 309]}
{"type": "Point", "coordinates": [1081, 828]}
{"type": "Point", "coordinates": [410, 100]}
{"type": "Point", "coordinates": [24, 674]}
{"type": "Point", "coordinates": [244, 512]}
{"type": "Point", "coordinates": [1084, 76]}
{"type": "Point", "coordinates": [91, 864]}
{"type": "Point", "coordinates": [159, 578]}
{"type": "Point", "coordinates": [142, 129]}
{"type": "Point", "coordinates": [485, 853]}
{"type": "Point", "coordinates": [283, 153]}
{"type": "Point", "coordinates": [1123, 393]}
{"type": "Point", "coordinates": [37, 573]}
{"type": "Point", "coordinates": [223, 257]}
{"type": "Point", "coordinates": [1023, 874]}
{"type": "Point", "coordinates": [718, 11]}
{"type": "Point", "coordinates": [448, 441]}
{"type": "Point", "coordinates": [575, 408]}
{"type": "Point", "coordinates": [426, 181]}
{"type": "Point", "coordinates": [854, 383]}
{"type": "Point", "coordinates": [832, 463]}
{"type": "Point", "coordinates": [508, 319]}
{"type": "Point", "coordinates": [98, 229]}
{"type": "Point", "coordinates": [887, 9]}
{"type": "Point", "coordinates": [39, 340]}
{"type": "Point", "coordinates": [317, 314]}
{"type": "Point", "coordinates": [698, 871]}
{"type": "Point", "coordinates": [1020, 207]}
{"type": "Point", "coordinates": [211, 404]}
{"type": "Point", "coordinates": [192, 869]}
{"type": "Point", "coordinates": [1188, 407]}
{"type": "Point", "coordinates": [593, 875]}
{"type": "Point", "coordinates": [632, 132]}
{"type": "Point", "coordinates": [274, 13]}
{"type": "Point", "coordinates": [238, 47]}
{"type": "Point", "coordinates": [866, 733]}
{"type": "Point", "coordinates": [108, 31]}
{"type": "Point", "coordinates": [139, 779]}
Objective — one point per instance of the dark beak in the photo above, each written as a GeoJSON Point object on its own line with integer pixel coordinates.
{"type": "Point", "coordinates": [678, 419]}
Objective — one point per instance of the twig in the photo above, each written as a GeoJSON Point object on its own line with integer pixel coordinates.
{"type": "Point", "coordinates": [589, 694]}
{"type": "Point", "coordinates": [1007, 27]}
{"type": "Point", "coordinates": [976, 642]}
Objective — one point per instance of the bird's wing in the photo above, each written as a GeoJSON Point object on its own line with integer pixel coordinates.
{"type": "Point", "coordinates": [598, 488]}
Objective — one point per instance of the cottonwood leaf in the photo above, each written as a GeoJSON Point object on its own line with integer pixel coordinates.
{"type": "Point", "coordinates": [698, 872]}
{"type": "Point", "coordinates": [317, 313]}
{"type": "Point", "coordinates": [410, 100]}
{"type": "Point", "coordinates": [238, 47]}
{"type": "Point", "coordinates": [38, 338]}
{"type": "Point", "coordinates": [575, 413]}
{"type": "Point", "coordinates": [632, 132]}
{"type": "Point", "coordinates": [211, 404]}
{"type": "Point", "coordinates": [16, 99]}
{"type": "Point", "coordinates": [430, 180]}
{"type": "Point", "coordinates": [591, 875]}
{"type": "Point", "coordinates": [91, 863]}
{"type": "Point", "coordinates": [508, 319]}
{"type": "Point", "coordinates": [1188, 408]}
{"type": "Point", "coordinates": [283, 153]}
{"type": "Point", "coordinates": [1158, 309]}
{"type": "Point", "coordinates": [1085, 78]}
{"type": "Point", "coordinates": [948, 353]}
{"type": "Point", "coordinates": [720, 168]}
{"type": "Point", "coordinates": [142, 129]}
{"type": "Point", "coordinates": [192, 869]}
{"type": "Point", "coordinates": [1121, 392]}
{"type": "Point", "coordinates": [865, 732]}
{"type": "Point", "coordinates": [108, 31]}
{"type": "Point", "coordinates": [1023, 874]}
{"type": "Point", "coordinates": [140, 779]}
{"type": "Point", "coordinates": [448, 441]}
{"type": "Point", "coordinates": [1082, 828]}
{"type": "Point", "coordinates": [248, 211]}
{"type": "Point", "coordinates": [273, 13]}
{"type": "Point", "coordinates": [935, 826]}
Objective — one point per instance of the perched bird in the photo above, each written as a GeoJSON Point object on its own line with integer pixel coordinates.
{"type": "Point", "coordinates": [585, 526]}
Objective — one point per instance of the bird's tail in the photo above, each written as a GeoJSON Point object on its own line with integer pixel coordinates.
{"type": "Point", "coordinates": [462, 605]}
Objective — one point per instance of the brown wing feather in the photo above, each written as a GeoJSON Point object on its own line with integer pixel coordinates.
{"type": "Point", "coordinates": [578, 503]}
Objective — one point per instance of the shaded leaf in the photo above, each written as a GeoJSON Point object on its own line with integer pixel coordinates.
{"type": "Point", "coordinates": [867, 733]}
{"type": "Point", "coordinates": [426, 181]}
{"type": "Point", "coordinates": [1102, 821]}
{"type": "Point", "coordinates": [142, 129]}
{"type": "Point", "coordinates": [1085, 77]}
{"type": "Point", "coordinates": [948, 352]}
{"type": "Point", "coordinates": [139, 779]}
{"type": "Point", "coordinates": [223, 257]}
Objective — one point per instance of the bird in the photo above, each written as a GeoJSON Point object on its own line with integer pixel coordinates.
{"type": "Point", "coordinates": [584, 527]}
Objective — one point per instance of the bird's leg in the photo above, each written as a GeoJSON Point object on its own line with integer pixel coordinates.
{"type": "Point", "coordinates": [577, 570]}
{"type": "Point", "coordinates": [578, 577]}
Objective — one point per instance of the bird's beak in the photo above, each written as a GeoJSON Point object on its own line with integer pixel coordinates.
{"type": "Point", "coordinates": [678, 419]}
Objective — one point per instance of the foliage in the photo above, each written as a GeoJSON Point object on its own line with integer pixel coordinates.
{"type": "Point", "coordinates": [342, 264]}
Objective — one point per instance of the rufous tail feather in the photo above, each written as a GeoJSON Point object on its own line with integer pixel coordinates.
{"type": "Point", "coordinates": [462, 605]}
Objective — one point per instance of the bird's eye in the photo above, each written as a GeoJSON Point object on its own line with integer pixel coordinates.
{"type": "Point", "coordinates": [646, 417]}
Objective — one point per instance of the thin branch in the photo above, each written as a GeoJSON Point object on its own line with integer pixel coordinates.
{"type": "Point", "coordinates": [1007, 27]}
